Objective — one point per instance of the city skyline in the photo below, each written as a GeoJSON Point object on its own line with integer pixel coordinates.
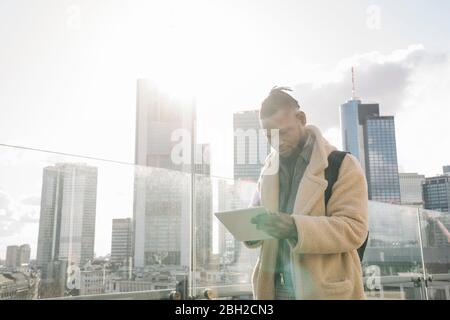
{"type": "Point", "coordinates": [73, 82]}
{"type": "Point", "coordinates": [203, 146]}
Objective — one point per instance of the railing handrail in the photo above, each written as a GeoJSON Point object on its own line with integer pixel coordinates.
{"type": "Point", "coordinates": [164, 294]}
{"type": "Point", "coordinates": [65, 154]}
{"type": "Point", "coordinates": [228, 290]}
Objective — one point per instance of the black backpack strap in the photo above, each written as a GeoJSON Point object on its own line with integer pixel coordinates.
{"type": "Point", "coordinates": [335, 159]}
{"type": "Point", "coordinates": [363, 248]}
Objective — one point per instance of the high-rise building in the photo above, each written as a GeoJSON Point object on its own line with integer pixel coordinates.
{"type": "Point", "coordinates": [53, 279]}
{"type": "Point", "coordinates": [202, 159]}
{"type": "Point", "coordinates": [165, 237]}
{"type": "Point", "coordinates": [12, 256]}
{"type": "Point", "coordinates": [250, 145]}
{"type": "Point", "coordinates": [162, 122]}
{"type": "Point", "coordinates": [165, 134]}
{"type": "Point", "coordinates": [17, 255]}
{"type": "Point", "coordinates": [122, 241]}
{"type": "Point", "coordinates": [371, 138]}
{"type": "Point", "coordinates": [436, 196]}
{"type": "Point", "coordinates": [203, 215]}
{"type": "Point", "coordinates": [203, 220]}
{"type": "Point", "coordinates": [411, 188]}
{"type": "Point", "coordinates": [446, 169]}
{"type": "Point", "coordinates": [25, 252]}
{"type": "Point", "coordinates": [67, 217]}
{"type": "Point", "coordinates": [436, 193]}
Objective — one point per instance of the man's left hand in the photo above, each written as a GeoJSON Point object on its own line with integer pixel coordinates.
{"type": "Point", "coordinates": [278, 225]}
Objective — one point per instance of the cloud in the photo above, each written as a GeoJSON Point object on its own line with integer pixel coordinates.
{"type": "Point", "coordinates": [32, 200]}
{"type": "Point", "coordinates": [411, 84]}
{"type": "Point", "coordinates": [14, 215]}
{"type": "Point", "coordinates": [382, 78]}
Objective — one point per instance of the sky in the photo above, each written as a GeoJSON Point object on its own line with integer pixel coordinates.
{"type": "Point", "coordinates": [68, 72]}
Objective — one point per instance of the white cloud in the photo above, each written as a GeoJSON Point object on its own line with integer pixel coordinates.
{"type": "Point", "coordinates": [18, 222]}
{"type": "Point", "coordinates": [15, 215]}
{"type": "Point", "coordinates": [411, 84]}
{"type": "Point", "coordinates": [333, 135]}
{"type": "Point", "coordinates": [31, 200]}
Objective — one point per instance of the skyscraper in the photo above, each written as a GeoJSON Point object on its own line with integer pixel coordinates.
{"type": "Point", "coordinates": [67, 217]}
{"type": "Point", "coordinates": [162, 197]}
{"type": "Point", "coordinates": [12, 256]}
{"type": "Point", "coordinates": [436, 193]}
{"type": "Point", "coordinates": [202, 158]}
{"type": "Point", "coordinates": [122, 241]}
{"type": "Point", "coordinates": [411, 188]}
{"type": "Point", "coordinates": [17, 255]}
{"type": "Point", "coordinates": [25, 252]}
{"type": "Point", "coordinates": [436, 196]}
{"type": "Point", "coordinates": [371, 138]}
{"type": "Point", "coordinates": [203, 215]}
{"type": "Point", "coordinates": [250, 145]}
{"type": "Point", "coordinates": [161, 119]}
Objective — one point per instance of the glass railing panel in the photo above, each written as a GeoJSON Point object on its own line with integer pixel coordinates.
{"type": "Point", "coordinates": [162, 248]}
{"type": "Point", "coordinates": [392, 263]}
{"type": "Point", "coordinates": [74, 226]}
{"type": "Point", "coordinates": [435, 228]}
{"type": "Point", "coordinates": [84, 227]}
{"type": "Point", "coordinates": [222, 262]}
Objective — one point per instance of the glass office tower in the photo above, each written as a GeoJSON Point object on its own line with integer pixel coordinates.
{"type": "Point", "coordinates": [371, 138]}
{"type": "Point", "coordinates": [436, 193]}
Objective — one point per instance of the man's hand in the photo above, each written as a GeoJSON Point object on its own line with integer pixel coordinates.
{"type": "Point", "coordinates": [278, 225]}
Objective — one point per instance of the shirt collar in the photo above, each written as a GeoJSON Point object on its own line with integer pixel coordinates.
{"type": "Point", "coordinates": [306, 151]}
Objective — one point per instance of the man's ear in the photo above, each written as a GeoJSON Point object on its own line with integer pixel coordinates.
{"type": "Point", "coordinates": [300, 115]}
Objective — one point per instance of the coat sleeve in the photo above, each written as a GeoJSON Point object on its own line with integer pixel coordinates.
{"type": "Point", "coordinates": [256, 201]}
{"type": "Point", "coordinates": [345, 227]}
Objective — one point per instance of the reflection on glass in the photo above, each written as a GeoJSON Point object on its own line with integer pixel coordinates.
{"type": "Point", "coordinates": [229, 261]}
{"type": "Point", "coordinates": [436, 249]}
{"type": "Point", "coordinates": [393, 250]}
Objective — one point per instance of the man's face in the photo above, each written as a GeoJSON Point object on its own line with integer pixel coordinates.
{"type": "Point", "coordinates": [290, 124]}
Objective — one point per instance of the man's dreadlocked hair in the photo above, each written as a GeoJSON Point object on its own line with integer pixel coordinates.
{"type": "Point", "coordinates": [276, 100]}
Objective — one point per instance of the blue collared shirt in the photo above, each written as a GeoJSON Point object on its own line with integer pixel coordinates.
{"type": "Point", "coordinates": [291, 173]}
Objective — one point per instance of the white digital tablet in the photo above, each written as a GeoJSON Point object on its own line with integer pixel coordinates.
{"type": "Point", "coordinates": [238, 222]}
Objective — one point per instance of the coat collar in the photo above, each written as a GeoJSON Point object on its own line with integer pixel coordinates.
{"type": "Point", "coordinates": [313, 183]}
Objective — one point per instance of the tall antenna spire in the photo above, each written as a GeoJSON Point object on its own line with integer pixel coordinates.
{"type": "Point", "coordinates": [353, 83]}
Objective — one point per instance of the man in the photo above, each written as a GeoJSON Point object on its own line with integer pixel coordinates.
{"type": "Point", "coordinates": [314, 253]}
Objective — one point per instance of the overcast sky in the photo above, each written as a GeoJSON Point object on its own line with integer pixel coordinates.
{"type": "Point", "coordinates": [68, 73]}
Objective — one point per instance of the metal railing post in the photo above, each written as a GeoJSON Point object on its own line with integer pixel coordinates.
{"type": "Point", "coordinates": [424, 271]}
